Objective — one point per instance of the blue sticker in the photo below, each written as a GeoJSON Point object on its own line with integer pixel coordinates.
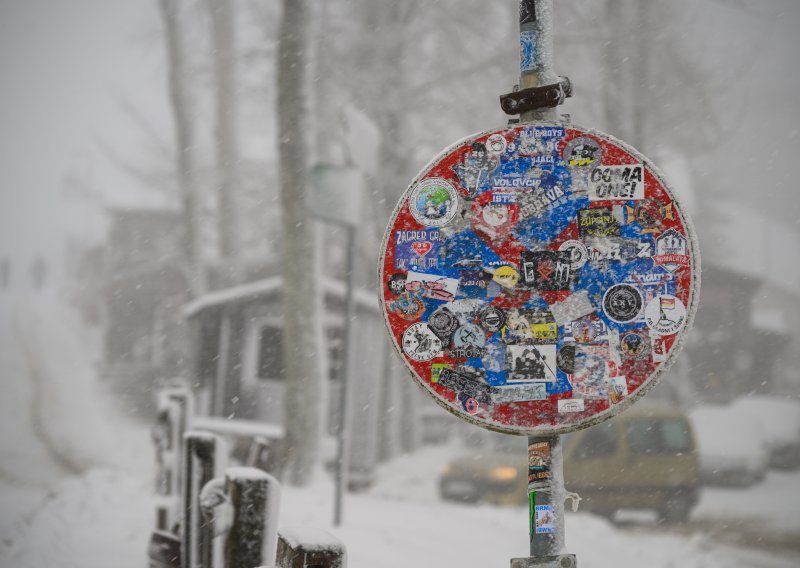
{"type": "Point", "coordinates": [417, 250]}
{"type": "Point", "coordinates": [528, 51]}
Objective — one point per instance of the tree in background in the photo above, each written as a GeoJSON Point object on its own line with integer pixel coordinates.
{"type": "Point", "coordinates": [303, 398]}
{"type": "Point", "coordinates": [183, 111]}
{"type": "Point", "coordinates": [225, 63]}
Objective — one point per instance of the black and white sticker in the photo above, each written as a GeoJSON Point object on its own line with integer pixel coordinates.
{"type": "Point", "coordinates": [622, 303]}
{"type": "Point", "coordinates": [420, 343]}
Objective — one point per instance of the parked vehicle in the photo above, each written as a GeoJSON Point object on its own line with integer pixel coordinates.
{"type": "Point", "coordinates": [642, 459]}
{"type": "Point", "coordinates": [493, 470]}
{"type": "Point", "coordinates": [730, 447]}
{"type": "Point", "coordinates": [777, 421]}
{"type": "Point", "coordinates": [645, 458]}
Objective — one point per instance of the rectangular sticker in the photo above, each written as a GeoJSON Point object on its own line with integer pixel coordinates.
{"type": "Point", "coordinates": [545, 519]}
{"type": "Point", "coordinates": [527, 11]}
{"type": "Point", "coordinates": [417, 249]}
{"type": "Point", "coordinates": [528, 52]}
{"type": "Point", "coordinates": [566, 405]}
{"type": "Point", "coordinates": [538, 461]}
{"type": "Point", "coordinates": [433, 286]}
{"type": "Point", "coordinates": [574, 307]}
{"type": "Point", "coordinates": [617, 182]}
{"type": "Point", "coordinates": [526, 363]}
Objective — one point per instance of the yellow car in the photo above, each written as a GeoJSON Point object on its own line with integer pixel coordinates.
{"type": "Point", "coordinates": [643, 459]}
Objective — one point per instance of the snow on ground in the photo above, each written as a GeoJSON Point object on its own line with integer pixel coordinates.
{"type": "Point", "coordinates": [64, 446]}
{"type": "Point", "coordinates": [75, 485]}
{"type": "Point", "coordinates": [773, 504]}
{"type": "Point", "coordinates": [381, 530]}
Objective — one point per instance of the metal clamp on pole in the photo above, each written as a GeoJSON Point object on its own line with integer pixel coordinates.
{"type": "Point", "coordinates": [534, 98]}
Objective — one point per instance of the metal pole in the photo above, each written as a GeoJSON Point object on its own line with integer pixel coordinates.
{"type": "Point", "coordinates": [343, 451]}
{"type": "Point", "coordinates": [546, 491]}
{"type": "Point", "coordinates": [546, 497]}
{"type": "Point", "coordinates": [536, 53]}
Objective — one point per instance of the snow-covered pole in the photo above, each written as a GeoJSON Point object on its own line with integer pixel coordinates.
{"type": "Point", "coordinates": [546, 496]}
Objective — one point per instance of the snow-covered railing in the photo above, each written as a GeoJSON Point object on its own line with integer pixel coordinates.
{"type": "Point", "coordinates": [217, 517]}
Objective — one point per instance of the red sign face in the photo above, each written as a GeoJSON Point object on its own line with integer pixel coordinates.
{"type": "Point", "coordinates": [538, 279]}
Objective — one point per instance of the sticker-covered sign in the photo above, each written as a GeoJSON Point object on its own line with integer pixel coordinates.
{"type": "Point", "coordinates": [539, 278]}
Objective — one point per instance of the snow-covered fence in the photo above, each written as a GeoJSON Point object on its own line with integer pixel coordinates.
{"type": "Point", "coordinates": [243, 508]}
{"type": "Point", "coordinates": [211, 519]}
{"type": "Point", "coordinates": [204, 457]}
{"type": "Point", "coordinates": [174, 409]}
{"type": "Point", "coordinates": [309, 548]}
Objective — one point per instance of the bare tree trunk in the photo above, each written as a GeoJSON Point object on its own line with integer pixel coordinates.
{"type": "Point", "coordinates": [301, 352]}
{"type": "Point", "coordinates": [224, 40]}
{"type": "Point", "coordinates": [183, 111]}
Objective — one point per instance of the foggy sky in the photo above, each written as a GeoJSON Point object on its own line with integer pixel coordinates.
{"type": "Point", "coordinates": [67, 65]}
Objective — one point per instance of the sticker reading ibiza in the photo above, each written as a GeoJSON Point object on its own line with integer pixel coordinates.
{"type": "Point", "coordinates": [538, 279]}
{"type": "Point", "coordinates": [434, 202]}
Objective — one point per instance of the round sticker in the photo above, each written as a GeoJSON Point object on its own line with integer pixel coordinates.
{"type": "Point", "coordinates": [469, 335]}
{"type": "Point", "coordinates": [420, 343]}
{"type": "Point", "coordinates": [471, 405]}
{"type": "Point", "coordinates": [635, 344]}
{"type": "Point", "coordinates": [492, 319]}
{"type": "Point", "coordinates": [578, 253]}
{"type": "Point", "coordinates": [666, 315]}
{"type": "Point", "coordinates": [434, 202]}
{"type": "Point", "coordinates": [583, 152]}
{"type": "Point", "coordinates": [534, 255]}
{"type": "Point", "coordinates": [443, 323]}
{"type": "Point", "coordinates": [622, 303]}
{"type": "Point", "coordinates": [496, 144]}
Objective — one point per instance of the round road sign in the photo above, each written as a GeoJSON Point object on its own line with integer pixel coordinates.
{"type": "Point", "coordinates": [549, 277]}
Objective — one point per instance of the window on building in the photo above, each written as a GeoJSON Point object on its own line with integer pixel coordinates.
{"type": "Point", "coordinates": [270, 353]}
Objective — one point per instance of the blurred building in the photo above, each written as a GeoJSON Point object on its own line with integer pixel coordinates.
{"type": "Point", "coordinates": [746, 336]}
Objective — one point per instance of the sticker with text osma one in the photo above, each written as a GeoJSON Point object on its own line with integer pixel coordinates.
{"type": "Point", "coordinates": [617, 182]}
